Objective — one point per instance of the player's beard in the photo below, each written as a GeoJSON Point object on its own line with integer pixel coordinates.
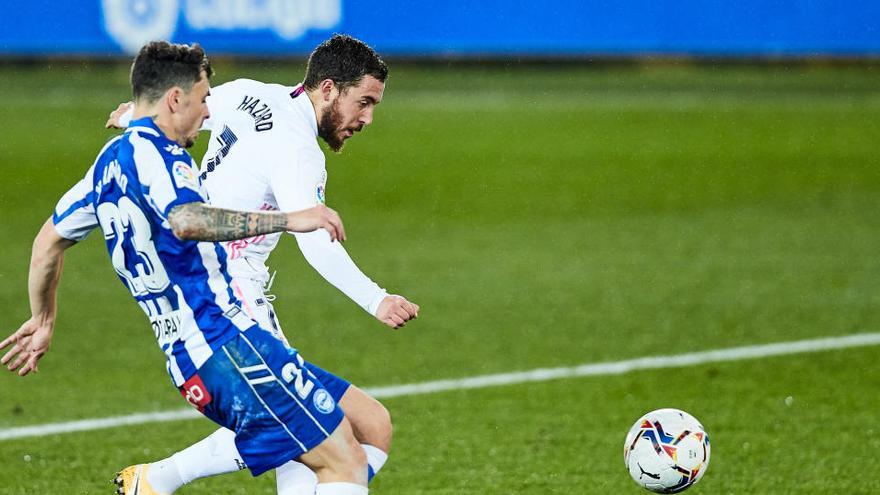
{"type": "Point", "coordinates": [328, 127]}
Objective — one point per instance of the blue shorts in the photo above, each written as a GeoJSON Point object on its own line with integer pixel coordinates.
{"type": "Point", "coordinates": [275, 402]}
{"type": "Point", "coordinates": [259, 307]}
{"type": "Point", "coordinates": [334, 384]}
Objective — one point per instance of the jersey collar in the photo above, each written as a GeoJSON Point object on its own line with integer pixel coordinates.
{"type": "Point", "coordinates": [145, 124]}
{"type": "Point", "coordinates": [303, 104]}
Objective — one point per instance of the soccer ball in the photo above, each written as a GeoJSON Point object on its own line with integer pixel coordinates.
{"type": "Point", "coordinates": [666, 451]}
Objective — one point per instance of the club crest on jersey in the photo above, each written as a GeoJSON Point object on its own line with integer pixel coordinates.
{"type": "Point", "coordinates": [323, 401]}
{"type": "Point", "coordinates": [185, 177]}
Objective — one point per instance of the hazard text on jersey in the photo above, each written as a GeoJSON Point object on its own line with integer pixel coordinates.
{"type": "Point", "coordinates": [260, 112]}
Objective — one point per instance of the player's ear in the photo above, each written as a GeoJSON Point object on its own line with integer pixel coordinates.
{"type": "Point", "coordinates": [327, 86]}
{"type": "Point", "coordinates": [173, 98]}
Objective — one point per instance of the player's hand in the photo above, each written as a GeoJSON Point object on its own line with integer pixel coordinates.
{"type": "Point", "coordinates": [395, 311]}
{"type": "Point", "coordinates": [115, 115]}
{"type": "Point", "coordinates": [317, 217]}
{"type": "Point", "coordinates": [29, 343]}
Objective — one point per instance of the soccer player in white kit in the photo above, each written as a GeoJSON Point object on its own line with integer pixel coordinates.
{"type": "Point", "coordinates": [264, 155]}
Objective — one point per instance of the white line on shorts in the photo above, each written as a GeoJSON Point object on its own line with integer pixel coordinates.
{"type": "Point", "coordinates": [536, 375]}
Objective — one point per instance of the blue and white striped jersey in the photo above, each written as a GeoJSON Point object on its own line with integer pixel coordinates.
{"type": "Point", "coordinates": [182, 286]}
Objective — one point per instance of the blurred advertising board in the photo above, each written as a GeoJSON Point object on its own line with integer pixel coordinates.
{"type": "Point", "coordinates": [487, 28]}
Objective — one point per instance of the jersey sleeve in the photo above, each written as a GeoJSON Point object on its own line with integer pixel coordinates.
{"type": "Point", "coordinates": [171, 179]}
{"type": "Point", "coordinates": [300, 185]}
{"type": "Point", "coordinates": [126, 116]}
{"type": "Point", "coordinates": [74, 216]}
{"type": "Point", "coordinates": [331, 260]}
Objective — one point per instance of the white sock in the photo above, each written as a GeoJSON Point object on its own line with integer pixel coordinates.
{"type": "Point", "coordinates": [215, 454]}
{"type": "Point", "coordinates": [295, 478]}
{"type": "Point", "coordinates": [375, 458]}
{"type": "Point", "coordinates": [163, 476]}
{"type": "Point", "coordinates": [337, 488]}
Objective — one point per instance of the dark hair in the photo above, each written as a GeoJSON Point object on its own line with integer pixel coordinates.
{"type": "Point", "coordinates": [160, 66]}
{"type": "Point", "coordinates": [344, 60]}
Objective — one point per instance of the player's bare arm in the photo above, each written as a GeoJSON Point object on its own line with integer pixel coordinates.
{"type": "Point", "coordinates": [31, 341]}
{"type": "Point", "coordinates": [202, 222]}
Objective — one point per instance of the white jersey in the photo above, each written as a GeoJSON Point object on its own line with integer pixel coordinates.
{"type": "Point", "coordinates": [264, 155]}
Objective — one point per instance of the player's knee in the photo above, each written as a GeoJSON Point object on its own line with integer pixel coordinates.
{"type": "Point", "coordinates": [369, 418]}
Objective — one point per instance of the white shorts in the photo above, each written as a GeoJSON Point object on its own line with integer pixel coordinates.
{"type": "Point", "coordinates": [257, 305]}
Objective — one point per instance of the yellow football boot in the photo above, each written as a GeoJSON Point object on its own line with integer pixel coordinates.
{"type": "Point", "coordinates": [133, 481]}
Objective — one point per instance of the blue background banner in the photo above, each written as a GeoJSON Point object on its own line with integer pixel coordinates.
{"type": "Point", "coordinates": [452, 28]}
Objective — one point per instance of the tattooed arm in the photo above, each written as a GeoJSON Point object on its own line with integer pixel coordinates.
{"type": "Point", "coordinates": [202, 222]}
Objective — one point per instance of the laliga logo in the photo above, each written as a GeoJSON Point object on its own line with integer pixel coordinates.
{"type": "Point", "coordinates": [132, 23]}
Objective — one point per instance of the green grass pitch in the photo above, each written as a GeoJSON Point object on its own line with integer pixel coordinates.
{"type": "Point", "coordinates": [542, 217]}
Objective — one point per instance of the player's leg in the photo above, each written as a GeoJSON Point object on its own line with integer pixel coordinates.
{"type": "Point", "coordinates": [217, 454]}
{"type": "Point", "coordinates": [292, 478]}
{"type": "Point", "coordinates": [281, 412]}
{"type": "Point", "coordinates": [370, 420]}
{"type": "Point", "coordinates": [339, 463]}
{"type": "Point", "coordinates": [259, 388]}
{"type": "Point", "coordinates": [370, 423]}
{"type": "Point", "coordinates": [213, 455]}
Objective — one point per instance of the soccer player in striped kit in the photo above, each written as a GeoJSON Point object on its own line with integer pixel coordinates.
{"type": "Point", "coordinates": [144, 194]}
{"type": "Point", "coordinates": [264, 155]}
